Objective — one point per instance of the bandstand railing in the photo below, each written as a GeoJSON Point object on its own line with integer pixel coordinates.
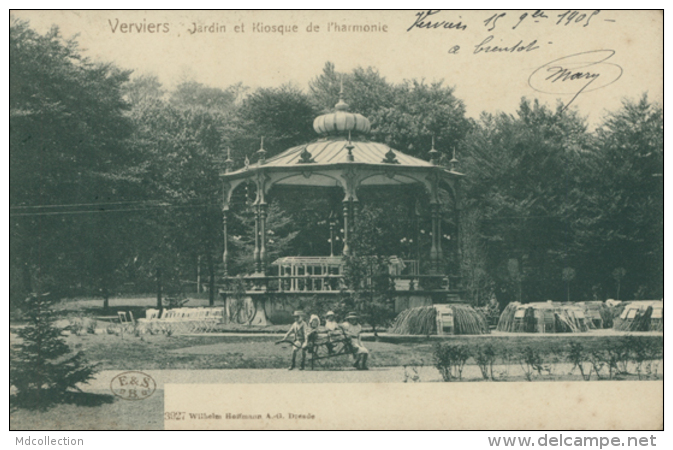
{"type": "Point", "coordinates": [327, 283]}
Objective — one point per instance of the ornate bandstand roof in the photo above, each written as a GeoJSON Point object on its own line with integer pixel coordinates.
{"type": "Point", "coordinates": [341, 156]}
{"type": "Point", "coordinates": [334, 150]}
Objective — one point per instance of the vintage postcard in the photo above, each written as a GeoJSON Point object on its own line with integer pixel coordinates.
{"type": "Point", "coordinates": [336, 220]}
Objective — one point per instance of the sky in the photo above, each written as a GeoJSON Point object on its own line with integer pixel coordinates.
{"type": "Point", "coordinates": [589, 60]}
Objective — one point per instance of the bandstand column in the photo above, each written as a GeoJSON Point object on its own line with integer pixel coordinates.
{"type": "Point", "coordinates": [440, 253]}
{"type": "Point", "coordinates": [331, 237]}
{"type": "Point", "coordinates": [226, 192]}
{"type": "Point", "coordinates": [459, 230]}
{"type": "Point", "coordinates": [346, 205]}
{"type": "Point", "coordinates": [262, 236]}
{"type": "Point", "coordinates": [417, 232]}
{"type": "Point", "coordinates": [355, 214]}
{"type": "Point", "coordinates": [255, 253]}
{"type": "Point", "coordinates": [433, 245]}
{"type": "Point", "coordinates": [225, 254]}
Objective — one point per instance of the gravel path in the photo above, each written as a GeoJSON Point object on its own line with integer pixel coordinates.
{"type": "Point", "coordinates": [248, 376]}
{"type": "Point", "coordinates": [344, 375]}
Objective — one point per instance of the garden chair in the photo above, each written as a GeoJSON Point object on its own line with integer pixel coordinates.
{"type": "Point", "coordinates": [150, 320]}
{"type": "Point", "coordinates": [132, 321]}
{"type": "Point", "coordinates": [166, 319]}
{"type": "Point", "coordinates": [172, 320]}
{"type": "Point", "coordinates": [124, 324]}
{"type": "Point", "coordinates": [205, 320]}
{"type": "Point", "coordinates": [657, 319]}
{"type": "Point", "coordinates": [548, 321]}
{"type": "Point", "coordinates": [213, 317]}
{"type": "Point", "coordinates": [519, 315]}
{"type": "Point", "coordinates": [580, 317]}
{"type": "Point", "coordinates": [595, 319]}
{"type": "Point", "coordinates": [193, 320]}
{"type": "Point", "coordinates": [179, 323]}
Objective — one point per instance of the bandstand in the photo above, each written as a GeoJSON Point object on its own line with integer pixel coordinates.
{"type": "Point", "coordinates": [343, 158]}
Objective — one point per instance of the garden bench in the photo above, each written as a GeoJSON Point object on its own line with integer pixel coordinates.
{"type": "Point", "coordinates": [324, 345]}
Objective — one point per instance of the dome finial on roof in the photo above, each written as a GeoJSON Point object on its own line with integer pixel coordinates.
{"type": "Point", "coordinates": [341, 104]}
{"type": "Point", "coordinates": [341, 120]}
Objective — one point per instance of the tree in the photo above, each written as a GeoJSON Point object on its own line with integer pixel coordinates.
{"type": "Point", "coordinates": [405, 116]}
{"type": "Point", "coordinates": [43, 369]}
{"type": "Point", "coordinates": [366, 274]}
{"type": "Point", "coordinates": [618, 274]}
{"type": "Point", "coordinates": [568, 275]}
{"type": "Point", "coordinates": [521, 171]}
{"type": "Point", "coordinates": [143, 91]}
{"type": "Point", "coordinates": [623, 210]}
{"type": "Point", "coordinates": [182, 138]}
{"type": "Point", "coordinates": [365, 90]}
{"type": "Point", "coordinates": [475, 278]}
{"type": "Point", "coordinates": [282, 116]}
{"type": "Point", "coordinates": [421, 112]}
{"type": "Point", "coordinates": [280, 235]}
{"type": "Point", "coordinates": [67, 162]}
{"type": "Point", "coordinates": [191, 93]}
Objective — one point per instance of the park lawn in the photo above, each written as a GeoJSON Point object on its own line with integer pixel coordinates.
{"type": "Point", "coordinates": [149, 352]}
{"type": "Point", "coordinates": [106, 413]}
{"type": "Point", "coordinates": [146, 352]}
{"type": "Point", "coordinates": [155, 352]}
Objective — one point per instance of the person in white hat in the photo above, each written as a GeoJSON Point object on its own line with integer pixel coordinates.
{"type": "Point", "coordinates": [312, 330]}
{"type": "Point", "coordinates": [332, 328]}
{"type": "Point", "coordinates": [352, 328]}
{"type": "Point", "coordinates": [299, 332]}
{"type": "Point", "coordinates": [330, 322]}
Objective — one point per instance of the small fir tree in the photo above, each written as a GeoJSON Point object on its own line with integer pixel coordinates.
{"type": "Point", "coordinates": [43, 369]}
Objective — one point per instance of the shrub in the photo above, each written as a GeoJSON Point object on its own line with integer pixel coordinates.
{"type": "Point", "coordinates": [485, 358]}
{"type": "Point", "coordinates": [75, 325]}
{"type": "Point", "coordinates": [530, 361]}
{"type": "Point", "coordinates": [598, 361]}
{"type": "Point", "coordinates": [450, 360]}
{"type": "Point", "coordinates": [620, 350]}
{"type": "Point", "coordinates": [645, 354]}
{"type": "Point", "coordinates": [578, 357]}
{"type": "Point", "coordinates": [506, 359]}
{"type": "Point", "coordinates": [91, 326]}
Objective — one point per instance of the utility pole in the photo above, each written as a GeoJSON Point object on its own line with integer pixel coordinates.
{"type": "Point", "coordinates": [159, 303]}
{"type": "Point", "coordinates": [198, 274]}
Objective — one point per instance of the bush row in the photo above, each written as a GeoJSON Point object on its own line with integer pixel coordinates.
{"type": "Point", "coordinates": [616, 359]}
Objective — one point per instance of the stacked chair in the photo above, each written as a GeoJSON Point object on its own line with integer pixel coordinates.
{"type": "Point", "coordinates": [182, 320]}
